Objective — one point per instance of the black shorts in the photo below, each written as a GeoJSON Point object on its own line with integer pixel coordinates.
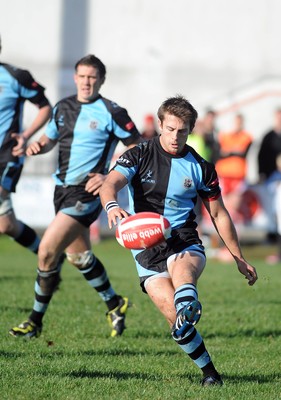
{"type": "Point", "coordinates": [153, 261]}
{"type": "Point", "coordinates": [77, 203]}
{"type": "Point", "coordinates": [9, 175]}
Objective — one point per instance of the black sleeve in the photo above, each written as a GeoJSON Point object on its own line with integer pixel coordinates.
{"type": "Point", "coordinates": [25, 79]}
{"type": "Point", "coordinates": [211, 182]}
{"type": "Point", "coordinates": [124, 121]}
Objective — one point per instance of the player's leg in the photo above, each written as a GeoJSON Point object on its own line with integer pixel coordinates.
{"type": "Point", "coordinates": [79, 254]}
{"type": "Point", "coordinates": [9, 225]}
{"type": "Point", "coordinates": [60, 233]}
{"type": "Point", "coordinates": [86, 213]}
{"type": "Point", "coordinates": [185, 270]}
{"type": "Point", "coordinates": [162, 293]}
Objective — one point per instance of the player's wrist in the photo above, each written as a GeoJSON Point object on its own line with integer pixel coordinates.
{"type": "Point", "coordinates": [110, 205]}
{"type": "Point", "coordinates": [25, 137]}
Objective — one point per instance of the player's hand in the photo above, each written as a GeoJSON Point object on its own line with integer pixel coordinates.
{"type": "Point", "coordinates": [94, 183]}
{"type": "Point", "coordinates": [33, 149]}
{"type": "Point", "coordinates": [248, 271]}
{"type": "Point", "coordinates": [19, 149]}
{"type": "Point", "coordinates": [116, 214]}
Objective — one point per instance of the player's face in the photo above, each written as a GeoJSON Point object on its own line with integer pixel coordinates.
{"type": "Point", "coordinates": [88, 83]}
{"type": "Point", "coordinates": [174, 134]}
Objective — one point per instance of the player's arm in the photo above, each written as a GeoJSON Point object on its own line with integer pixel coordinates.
{"type": "Point", "coordinates": [41, 118]}
{"type": "Point", "coordinates": [227, 232]}
{"type": "Point", "coordinates": [42, 146]}
{"type": "Point", "coordinates": [96, 179]}
{"type": "Point", "coordinates": [113, 183]}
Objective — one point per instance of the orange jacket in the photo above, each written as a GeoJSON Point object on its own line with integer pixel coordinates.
{"type": "Point", "coordinates": [233, 148]}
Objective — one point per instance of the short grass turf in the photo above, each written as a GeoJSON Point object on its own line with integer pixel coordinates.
{"type": "Point", "coordinates": [75, 358]}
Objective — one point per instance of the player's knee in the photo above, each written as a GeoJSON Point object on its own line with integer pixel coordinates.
{"type": "Point", "coordinates": [7, 226]}
{"type": "Point", "coordinates": [6, 209]}
{"type": "Point", "coordinates": [80, 260]}
{"type": "Point", "coordinates": [46, 258]}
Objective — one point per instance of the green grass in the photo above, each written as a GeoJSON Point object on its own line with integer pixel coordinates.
{"type": "Point", "coordinates": [76, 359]}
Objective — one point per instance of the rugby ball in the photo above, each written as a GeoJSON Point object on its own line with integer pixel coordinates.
{"type": "Point", "coordinates": [142, 230]}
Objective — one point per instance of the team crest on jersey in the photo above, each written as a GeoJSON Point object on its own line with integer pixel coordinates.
{"type": "Point", "coordinates": [148, 178]}
{"type": "Point", "coordinates": [93, 125]}
{"type": "Point", "coordinates": [187, 183]}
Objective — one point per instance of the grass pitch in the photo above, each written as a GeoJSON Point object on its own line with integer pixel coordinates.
{"type": "Point", "coordinates": [75, 358]}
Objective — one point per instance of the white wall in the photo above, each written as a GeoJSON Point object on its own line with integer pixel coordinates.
{"type": "Point", "coordinates": [152, 49]}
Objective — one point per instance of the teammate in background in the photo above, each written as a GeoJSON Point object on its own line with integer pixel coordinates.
{"type": "Point", "coordinates": [177, 175]}
{"type": "Point", "coordinates": [149, 127]}
{"type": "Point", "coordinates": [17, 86]}
{"type": "Point", "coordinates": [87, 127]}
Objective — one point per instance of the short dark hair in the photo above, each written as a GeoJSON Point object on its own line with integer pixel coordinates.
{"type": "Point", "coordinates": [181, 108]}
{"type": "Point", "coordinates": [92, 61]}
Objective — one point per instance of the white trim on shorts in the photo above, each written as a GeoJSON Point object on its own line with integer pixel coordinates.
{"type": "Point", "coordinates": [166, 274]}
{"type": "Point", "coordinates": [190, 251]}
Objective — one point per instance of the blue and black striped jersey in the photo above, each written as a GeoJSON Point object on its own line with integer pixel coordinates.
{"type": "Point", "coordinates": [16, 86]}
{"type": "Point", "coordinates": [167, 184]}
{"type": "Point", "coordinates": [88, 134]}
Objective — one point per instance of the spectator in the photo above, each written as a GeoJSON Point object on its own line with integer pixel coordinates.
{"type": "Point", "coordinates": [270, 148]}
{"type": "Point", "coordinates": [149, 127]}
{"type": "Point", "coordinates": [273, 188]}
{"type": "Point", "coordinates": [232, 164]}
{"type": "Point", "coordinates": [232, 171]}
{"type": "Point", "coordinates": [210, 135]}
{"type": "Point", "coordinates": [196, 139]}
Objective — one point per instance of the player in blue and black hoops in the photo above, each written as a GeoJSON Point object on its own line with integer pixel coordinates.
{"type": "Point", "coordinates": [165, 175]}
{"type": "Point", "coordinates": [87, 127]}
{"type": "Point", "coordinates": [17, 86]}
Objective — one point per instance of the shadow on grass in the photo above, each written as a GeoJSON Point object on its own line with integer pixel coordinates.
{"type": "Point", "coordinates": [248, 333]}
{"type": "Point", "coordinates": [120, 375]}
{"type": "Point", "coordinates": [14, 355]}
{"type": "Point", "coordinates": [128, 352]}
{"type": "Point", "coordinates": [238, 379]}
{"type": "Point", "coordinates": [20, 309]}
{"type": "Point", "coordinates": [52, 355]}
